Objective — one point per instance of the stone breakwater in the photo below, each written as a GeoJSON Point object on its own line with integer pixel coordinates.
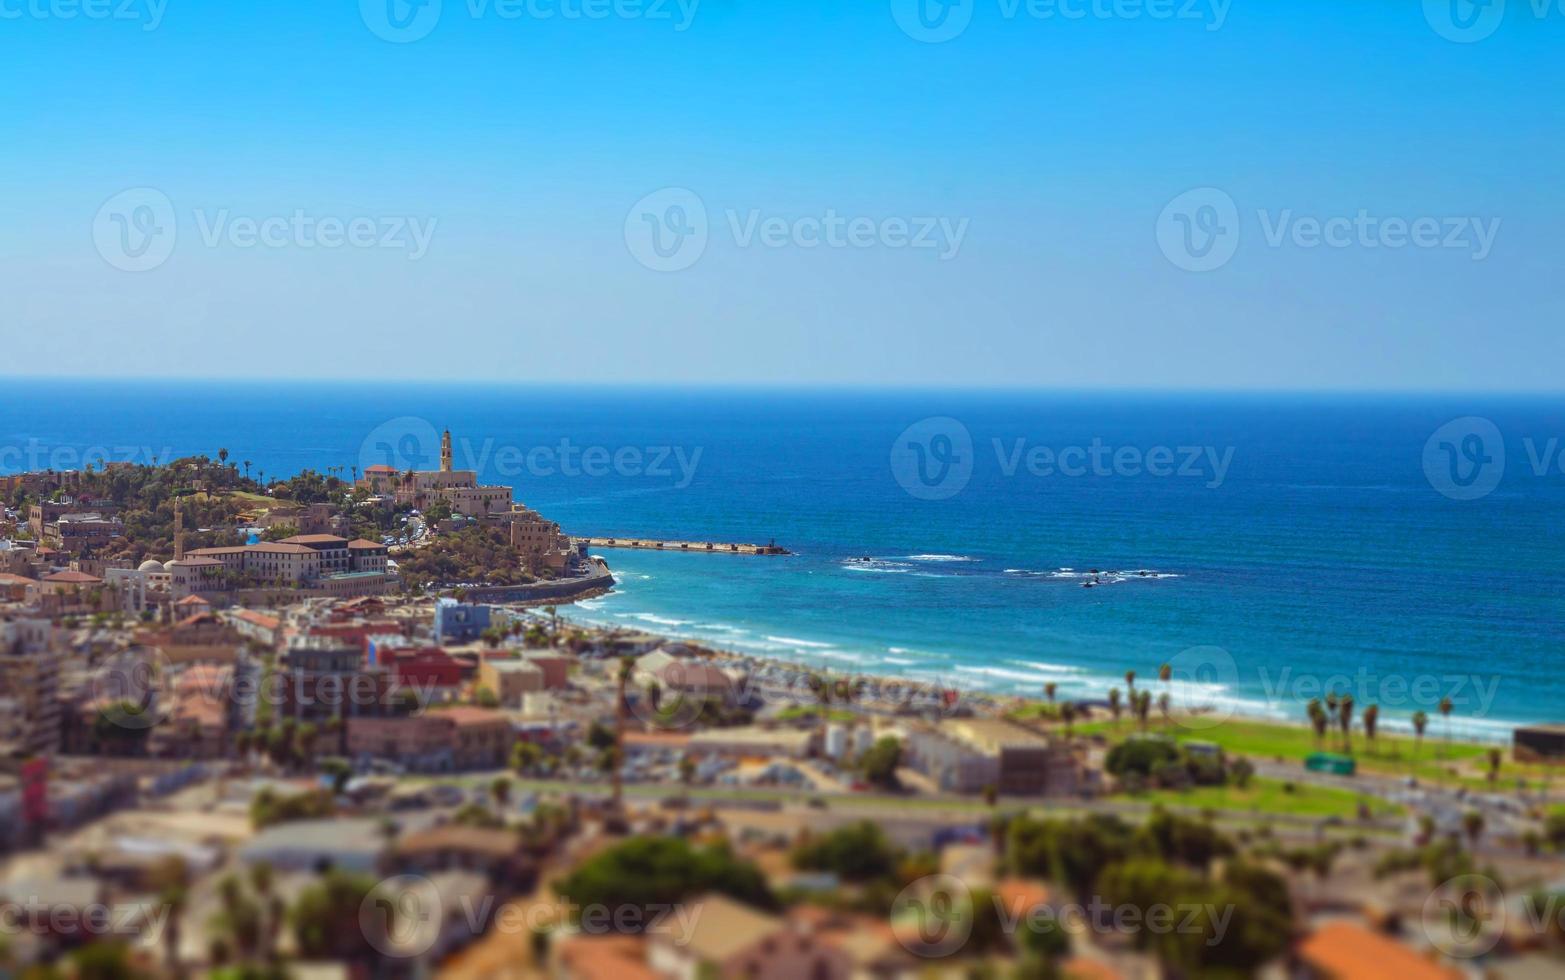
{"type": "Point", "coordinates": [596, 582]}
{"type": "Point", "coordinates": [703, 547]}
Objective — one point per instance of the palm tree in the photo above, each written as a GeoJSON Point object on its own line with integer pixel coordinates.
{"type": "Point", "coordinates": [1319, 721]}
{"type": "Point", "coordinates": [500, 789]}
{"type": "Point", "coordinates": [1445, 712]}
{"type": "Point", "coordinates": [1142, 702]}
{"type": "Point", "coordinates": [1114, 705]}
{"type": "Point", "coordinates": [627, 666]}
{"type": "Point", "coordinates": [1420, 722]}
{"type": "Point", "coordinates": [687, 774]}
{"type": "Point", "coordinates": [1494, 766]}
{"type": "Point", "coordinates": [172, 878]}
{"type": "Point", "coordinates": [1473, 823]}
{"type": "Point", "coordinates": [1068, 715]}
{"type": "Point", "coordinates": [261, 879]}
{"type": "Point", "coordinates": [823, 689]}
{"type": "Point", "coordinates": [222, 456]}
{"type": "Point", "coordinates": [1048, 691]}
{"type": "Point", "coordinates": [247, 469]}
{"type": "Point", "coordinates": [1345, 722]}
{"type": "Point", "coordinates": [1371, 721]}
{"type": "Point", "coordinates": [1162, 707]}
{"type": "Point", "coordinates": [1130, 682]}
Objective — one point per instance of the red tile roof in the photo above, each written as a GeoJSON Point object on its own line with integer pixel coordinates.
{"type": "Point", "coordinates": [74, 578]}
{"type": "Point", "coordinates": [1346, 951]}
{"type": "Point", "coordinates": [258, 619]}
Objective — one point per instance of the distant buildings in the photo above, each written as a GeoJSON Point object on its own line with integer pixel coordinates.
{"type": "Point", "coordinates": [74, 526]}
{"type": "Point", "coordinates": [540, 541]}
{"type": "Point", "coordinates": [314, 564]}
{"type": "Point", "coordinates": [420, 488]}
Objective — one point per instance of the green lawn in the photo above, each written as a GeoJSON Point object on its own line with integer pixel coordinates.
{"type": "Point", "coordinates": [1270, 796]}
{"type": "Point", "coordinates": [1390, 755]}
{"type": "Point", "coordinates": [797, 711]}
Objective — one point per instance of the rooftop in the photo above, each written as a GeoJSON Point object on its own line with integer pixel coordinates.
{"type": "Point", "coordinates": [1346, 951]}
{"type": "Point", "coordinates": [74, 578]}
{"type": "Point", "coordinates": [722, 927]}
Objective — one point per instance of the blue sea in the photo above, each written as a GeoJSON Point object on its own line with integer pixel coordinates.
{"type": "Point", "coordinates": [1267, 547]}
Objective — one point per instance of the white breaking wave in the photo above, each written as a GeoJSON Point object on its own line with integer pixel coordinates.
{"type": "Point", "coordinates": [940, 558]}
{"type": "Point", "coordinates": [789, 641]}
{"type": "Point", "coordinates": [658, 620]}
{"type": "Point", "coordinates": [1046, 667]}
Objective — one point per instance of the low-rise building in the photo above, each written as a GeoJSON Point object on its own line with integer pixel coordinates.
{"type": "Point", "coordinates": [967, 755]}
{"type": "Point", "coordinates": [457, 622]}
{"type": "Point", "coordinates": [348, 844]}
{"type": "Point", "coordinates": [29, 682]}
{"type": "Point", "coordinates": [510, 680]}
{"type": "Point", "coordinates": [318, 564]}
{"type": "Point", "coordinates": [753, 740]}
{"type": "Point", "coordinates": [446, 740]}
{"type": "Point", "coordinates": [727, 940]}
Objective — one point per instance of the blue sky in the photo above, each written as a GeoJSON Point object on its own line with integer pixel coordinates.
{"type": "Point", "coordinates": [1019, 190]}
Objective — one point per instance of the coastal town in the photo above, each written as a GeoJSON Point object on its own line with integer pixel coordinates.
{"type": "Point", "coordinates": [343, 725]}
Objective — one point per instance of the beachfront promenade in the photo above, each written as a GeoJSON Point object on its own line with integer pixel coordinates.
{"type": "Point", "coordinates": [712, 547]}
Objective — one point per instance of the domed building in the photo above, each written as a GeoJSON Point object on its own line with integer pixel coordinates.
{"type": "Point", "coordinates": [151, 565]}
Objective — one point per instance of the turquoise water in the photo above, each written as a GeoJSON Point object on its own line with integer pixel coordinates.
{"type": "Point", "coordinates": [1301, 543]}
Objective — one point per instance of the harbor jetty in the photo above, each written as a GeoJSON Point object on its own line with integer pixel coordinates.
{"type": "Point", "coordinates": [705, 547]}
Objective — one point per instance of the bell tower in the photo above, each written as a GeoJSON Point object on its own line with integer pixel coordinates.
{"type": "Point", "coordinates": [445, 452]}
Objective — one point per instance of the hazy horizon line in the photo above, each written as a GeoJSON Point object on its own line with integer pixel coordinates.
{"type": "Point", "coordinates": [784, 386]}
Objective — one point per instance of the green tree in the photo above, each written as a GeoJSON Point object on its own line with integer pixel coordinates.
{"type": "Point", "coordinates": [645, 875]}
{"type": "Point", "coordinates": [326, 918]}
{"type": "Point", "coordinates": [880, 761]}
{"type": "Point", "coordinates": [856, 852]}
